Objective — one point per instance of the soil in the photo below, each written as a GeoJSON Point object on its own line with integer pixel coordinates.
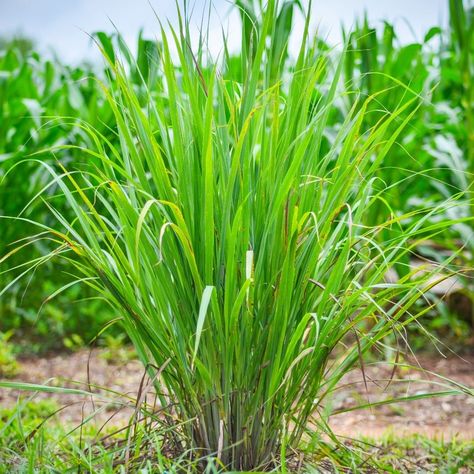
{"type": "Point", "coordinates": [437, 417]}
{"type": "Point", "coordinates": [446, 417]}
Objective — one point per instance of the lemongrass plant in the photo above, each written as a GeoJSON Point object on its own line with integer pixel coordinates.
{"type": "Point", "coordinates": [227, 232]}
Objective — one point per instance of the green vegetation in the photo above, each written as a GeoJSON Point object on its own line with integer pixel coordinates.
{"type": "Point", "coordinates": [237, 218]}
{"type": "Point", "coordinates": [41, 105]}
{"type": "Point", "coordinates": [8, 362]}
{"type": "Point", "coordinates": [29, 443]}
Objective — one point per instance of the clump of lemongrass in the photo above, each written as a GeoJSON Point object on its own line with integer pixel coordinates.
{"type": "Point", "coordinates": [228, 232]}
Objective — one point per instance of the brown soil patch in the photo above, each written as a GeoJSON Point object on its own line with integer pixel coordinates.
{"type": "Point", "coordinates": [441, 417]}
{"type": "Point", "coordinates": [435, 417]}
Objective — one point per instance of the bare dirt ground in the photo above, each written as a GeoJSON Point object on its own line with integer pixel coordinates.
{"type": "Point", "coordinates": [435, 417]}
{"type": "Point", "coordinates": [441, 417]}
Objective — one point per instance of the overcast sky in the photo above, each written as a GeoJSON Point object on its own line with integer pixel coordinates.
{"type": "Point", "coordinates": [63, 24]}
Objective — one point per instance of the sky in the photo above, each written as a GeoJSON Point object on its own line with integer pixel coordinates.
{"type": "Point", "coordinates": [64, 25]}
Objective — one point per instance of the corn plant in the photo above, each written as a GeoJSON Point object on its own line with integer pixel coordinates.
{"type": "Point", "coordinates": [424, 165]}
{"type": "Point", "coordinates": [456, 89]}
{"type": "Point", "coordinates": [396, 76]}
{"type": "Point", "coordinates": [459, 60]}
{"type": "Point", "coordinates": [232, 240]}
{"type": "Point", "coordinates": [462, 46]}
{"type": "Point", "coordinates": [456, 81]}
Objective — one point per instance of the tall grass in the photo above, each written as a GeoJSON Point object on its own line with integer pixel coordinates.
{"type": "Point", "coordinates": [229, 234]}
